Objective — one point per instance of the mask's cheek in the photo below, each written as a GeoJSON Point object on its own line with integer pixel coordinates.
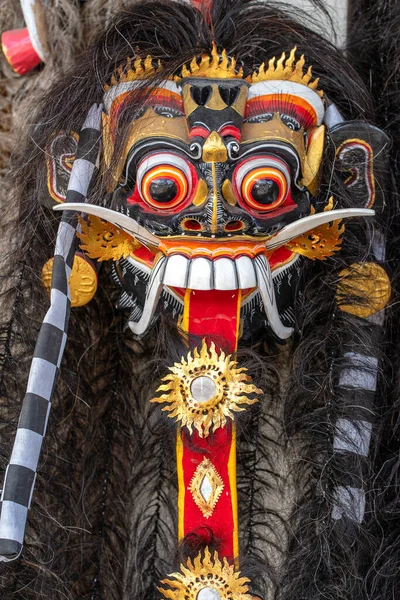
{"type": "Point", "coordinates": [311, 167]}
{"type": "Point", "coordinates": [148, 128]}
{"type": "Point", "coordinates": [306, 145]}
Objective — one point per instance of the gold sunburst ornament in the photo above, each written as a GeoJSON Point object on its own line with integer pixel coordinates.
{"type": "Point", "coordinates": [206, 389]}
{"type": "Point", "coordinates": [206, 578]}
{"type": "Point", "coordinates": [320, 243]}
{"type": "Point", "coordinates": [104, 241]}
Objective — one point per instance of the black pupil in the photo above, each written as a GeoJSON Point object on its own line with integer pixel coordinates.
{"type": "Point", "coordinates": [265, 191]}
{"type": "Point", "coordinates": [163, 190]}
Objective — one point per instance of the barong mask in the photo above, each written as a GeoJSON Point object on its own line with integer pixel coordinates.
{"type": "Point", "coordinates": [221, 172]}
{"type": "Point", "coordinates": [213, 174]}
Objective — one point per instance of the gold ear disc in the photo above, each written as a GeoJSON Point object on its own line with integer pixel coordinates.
{"type": "Point", "coordinates": [363, 289]}
{"type": "Point", "coordinates": [83, 280]}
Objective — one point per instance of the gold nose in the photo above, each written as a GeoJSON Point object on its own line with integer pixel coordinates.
{"type": "Point", "coordinates": [214, 149]}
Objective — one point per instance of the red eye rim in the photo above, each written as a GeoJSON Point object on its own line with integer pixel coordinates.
{"type": "Point", "coordinates": [165, 172]}
{"type": "Point", "coordinates": [251, 178]}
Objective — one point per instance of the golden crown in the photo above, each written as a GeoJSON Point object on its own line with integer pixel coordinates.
{"type": "Point", "coordinates": [216, 65]}
{"type": "Point", "coordinates": [287, 69]}
{"type": "Point", "coordinates": [135, 70]}
{"type": "Point", "coordinates": [221, 66]}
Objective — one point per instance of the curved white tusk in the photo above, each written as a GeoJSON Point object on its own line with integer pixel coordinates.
{"type": "Point", "coordinates": [127, 224]}
{"type": "Point", "coordinates": [267, 293]}
{"type": "Point", "coordinates": [308, 223]}
{"type": "Point", "coordinates": [153, 294]}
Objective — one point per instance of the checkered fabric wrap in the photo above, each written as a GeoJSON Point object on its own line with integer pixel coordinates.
{"type": "Point", "coordinates": [353, 430]}
{"type": "Point", "coordinates": [21, 471]}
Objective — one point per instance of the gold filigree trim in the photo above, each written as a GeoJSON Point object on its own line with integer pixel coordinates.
{"type": "Point", "coordinates": [287, 69]}
{"type": "Point", "coordinates": [206, 573]}
{"type": "Point", "coordinates": [363, 289]}
{"type": "Point", "coordinates": [206, 487]}
{"type": "Point", "coordinates": [103, 241]}
{"type": "Point", "coordinates": [206, 389]}
{"type": "Point", "coordinates": [321, 242]}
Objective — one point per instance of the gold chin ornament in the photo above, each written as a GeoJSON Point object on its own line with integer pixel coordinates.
{"type": "Point", "coordinates": [205, 390]}
{"type": "Point", "coordinates": [206, 578]}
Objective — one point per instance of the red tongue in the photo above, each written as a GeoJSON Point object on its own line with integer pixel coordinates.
{"type": "Point", "coordinates": [213, 315]}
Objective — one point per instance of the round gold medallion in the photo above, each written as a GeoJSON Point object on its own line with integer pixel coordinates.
{"type": "Point", "coordinates": [83, 280]}
{"type": "Point", "coordinates": [363, 289]}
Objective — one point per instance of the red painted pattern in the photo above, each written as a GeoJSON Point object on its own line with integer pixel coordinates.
{"type": "Point", "coordinates": [216, 447]}
{"type": "Point", "coordinates": [212, 315]}
{"type": "Point", "coordinates": [287, 104]}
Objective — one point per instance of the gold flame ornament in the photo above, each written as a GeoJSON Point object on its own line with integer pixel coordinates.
{"type": "Point", "coordinates": [206, 577]}
{"type": "Point", "coordinates": [103, 241]}
{"type": "Point", "coordinates": [287, 69]}
{"type": "Point", "coordinates": [206, 389]}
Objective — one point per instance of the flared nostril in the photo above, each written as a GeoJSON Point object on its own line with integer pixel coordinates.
{"type": "Point", "coordinates": [234, 226]}
{"type": "Point", "coordinates": [192, 225]}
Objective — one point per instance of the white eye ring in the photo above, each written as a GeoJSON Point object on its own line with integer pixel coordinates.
{"type": "Point", "coordinates": [167, 159]}
{"type": "Point", "coordinates": [255, 163]}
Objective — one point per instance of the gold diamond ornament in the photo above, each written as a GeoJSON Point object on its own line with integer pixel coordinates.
{"type": "Point", "coordinates": [206, 487]}
{"type": "Point", "coordinates": [205, 390]}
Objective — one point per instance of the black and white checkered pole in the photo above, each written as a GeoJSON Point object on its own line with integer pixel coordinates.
{"type": "Point", "coordinates": [21, 471]}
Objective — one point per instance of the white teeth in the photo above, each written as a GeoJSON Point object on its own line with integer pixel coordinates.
{"type": "Point", "coordinates": [225, 274]}
{"type": "Point", "coordinates": [176, 271]}
{"type": "Point", "coordinates": [246, 274]}
{"type": "Point", "coordinates": [204, 274]}
{"type": "Point", "coordinates": [221, 274]}
{"type": "Point", "coordinates": [201, 274]}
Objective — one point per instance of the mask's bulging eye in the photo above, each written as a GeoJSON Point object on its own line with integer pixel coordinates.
{"type": "Point", "coordinates": [264, 189]}
{"type": "Point", "coordinates": [164, 181]}
{"type": "Point", "coordinates": [163, 190]}
{"type": "Point", "coordinates": [262, 183]}
{"type": "Point", "coordinates": [164, 186]}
